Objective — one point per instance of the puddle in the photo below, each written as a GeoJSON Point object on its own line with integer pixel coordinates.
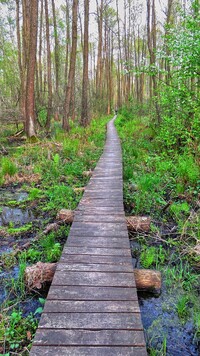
{"type": "Point", "coordinates": [12, 195]}
{"type": "Point", "coordinates": [161, 321]}
{"type": "Point", "coordinates": [4, 276]}
{"type": "Point", "coordinates": [15, 216]}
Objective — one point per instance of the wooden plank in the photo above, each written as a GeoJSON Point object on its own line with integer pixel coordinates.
{"type": "Point", "coordinates": [74, 258]}
{"type": "Point", "coordinates": [103, 195]}
{"type": "Point", "coordinates": [79, 306]}
{"type": "Point", "coordinates": [100, 251]}
{"type": "Point", "coordinates": [94, 321]}
{"type": "Point", "coordinates": [100, 210]}
{"type": "Point", "coordinates": [82, 217]}
{"type": "Point", "coordinates": [87, 267]}
{"type": "Point", "coordinates": [99, 232]}
{"type": "Point", "coordinates": [87, 351]}
{"type": "Point", "coordinates": [88, 337]}
{"type": "Point", "coordinates": [92, 293]}
{"type": "Point", "coordinates": [102, 203]}
{"type": "Point", "coordinates": [101, 226]}
{"type": "Point", "coordinates": [107, 279]}
{"type": "Point", "coordinates": [89, 241]}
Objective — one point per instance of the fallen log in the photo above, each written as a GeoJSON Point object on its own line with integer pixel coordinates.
{"type": "Point", "coordinates": [66, 216]}
{"type": "Point", "coordinates": [138, 223]}
{"type": "Point", "coordinates": [38, 275]}
{"type": "Point", "coordinates": [147, 280]}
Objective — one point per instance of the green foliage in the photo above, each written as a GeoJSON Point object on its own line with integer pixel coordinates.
{"type": "Point", "coordinates": [148, 257]}
{"type": "Point", "coordinates": [8, 167]}
{"type": "Point", "coordinates": [35, 193]}
{"type": "Point", "coordinates": [182, 306]}
{"type": "Point", "coordinates": [51, 249]}
{"type": "Point", "coordinates": [19, 330]}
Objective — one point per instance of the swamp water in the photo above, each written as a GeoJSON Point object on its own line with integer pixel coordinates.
{"type": "Point", "coordinates": [165, 332]}
{"type": "Point", "coordinates": [14, 216]}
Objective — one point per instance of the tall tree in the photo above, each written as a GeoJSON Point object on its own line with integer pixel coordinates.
{"type": "Point", "coordinates": [32, 23]}
{"type": "Point", "coordinates": [69, 92]}
{"type": "Point", "coordinates": [151, 35]}
{"type": "Point", "coordinates": [85, 110]}
{"type": "Point", "coordinates": [49, 80]}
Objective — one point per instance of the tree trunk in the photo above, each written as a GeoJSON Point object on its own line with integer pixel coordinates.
{"type": "Point", "coordinates": [49, 109]}
{"type": "Point", "coordinates": [71, 76]}
{"type": "Point", "coordinates": [30, 97]}
{"type": "Point", "coordinates": [84, 112]}
{"type": "Point", "coordinates": [99, 70]}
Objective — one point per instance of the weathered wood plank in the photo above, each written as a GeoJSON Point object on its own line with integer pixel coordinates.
{"type": "Point", "coordinates": [95, 321]}
{"type": "Point", "coordinates": [91, 306]}
{"type": "Point", "coordinates": [99, 232]}
{"type": "Point", "coordinates": [82, 217]}
{"type": "Point", "coordinates": [119, 260]}
{"type": "Point", "coordinates": [87, 267]}
{"type": "Point", "coordinates": [101, 226]}
{"type": "Point", "coordinates": [88, 337]}
{"type": "Point", "coordinates": [102, 203]}
{"type": "Point", "coordinates": [92, 293]}
{"type": "Point", "coordinates": [88, 241]}
{"type": "Point", "coordinates": [100, 210]}
{"type": "Point", "coordinates": [87, 351]}
{"type": "Point", "coordinates": [103, 195]}
{"type": "Point", "coordinates": [109, 279]}
{"type": "Point", "coordinates": [100, 251]}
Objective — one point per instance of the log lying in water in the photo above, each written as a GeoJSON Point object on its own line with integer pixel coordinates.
{"type": "Point", "coordinates": [138, 223]}
{"type": "Point", "coordinates": [36, 276]}
{"type": "Point", "coordinates": [147, 280]}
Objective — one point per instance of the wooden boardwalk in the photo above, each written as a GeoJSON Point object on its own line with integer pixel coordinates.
{"type": "Point", "coordinates": [92, 307]}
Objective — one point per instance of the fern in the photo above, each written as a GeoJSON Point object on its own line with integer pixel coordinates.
{"type": "Point", "coordinates": [148, 257]}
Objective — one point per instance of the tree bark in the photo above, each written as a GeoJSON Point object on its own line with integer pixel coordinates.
{"type": "Point", "coordinates": [71, 76]}
{"type": "Point", "coordinates": [85, 110]}
{"type": "Point", "coordinates": [30, 85]}
{"type": "Point", "coordinates": [49, 80]}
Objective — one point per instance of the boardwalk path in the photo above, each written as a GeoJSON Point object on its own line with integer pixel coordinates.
{"type": "Point", "coordinates": [92, 307]}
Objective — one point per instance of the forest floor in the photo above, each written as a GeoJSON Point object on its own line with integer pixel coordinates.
{"type": "Point", "coordinates": [37, 180]}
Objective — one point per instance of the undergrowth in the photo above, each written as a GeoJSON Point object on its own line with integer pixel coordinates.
{"type": "Point", "coordinates": [49, 170]}
{"type": "Point", "coordinates": [163, 181]}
